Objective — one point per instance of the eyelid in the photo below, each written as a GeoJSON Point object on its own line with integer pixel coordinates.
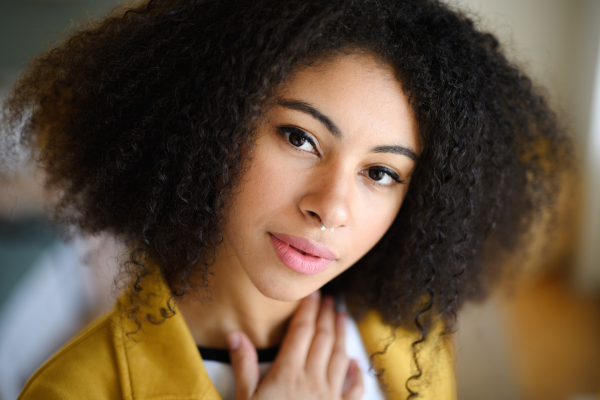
{"type": "Point", "coordinates": [393, 174]}
{"type": "Point", "coordinates": [395, 177]}
{"type": "Point", "coordinates": [310, 138]}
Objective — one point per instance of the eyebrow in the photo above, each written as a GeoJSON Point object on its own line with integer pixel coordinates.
{"type": "Point", "coordinates": [405, 151]}
{"type": "Point", "coordinates": [335, 131]}
{"type": "Point", "coordinates": [308, 109]}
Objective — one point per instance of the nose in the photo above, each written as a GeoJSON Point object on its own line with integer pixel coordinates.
{"type": "Point", "coordinates": [329, 197]}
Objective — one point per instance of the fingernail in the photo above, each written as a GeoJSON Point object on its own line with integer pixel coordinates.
{"type": "Point", "coordinates": [233, 340]}
{"type": "Point", "coordinates": [315, 295]}
{"type": "Point", "coordinates": [341, 317]}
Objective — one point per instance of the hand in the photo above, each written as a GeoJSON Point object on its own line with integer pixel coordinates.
{"type": "Point", "coordinates": [311, 364]}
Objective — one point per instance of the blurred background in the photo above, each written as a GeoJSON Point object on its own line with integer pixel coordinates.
{"type": "Point", "coordinates": [537, 337]}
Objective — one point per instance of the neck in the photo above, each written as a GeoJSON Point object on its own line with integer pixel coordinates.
{"type": "Point", "coordinates": [232, 302]}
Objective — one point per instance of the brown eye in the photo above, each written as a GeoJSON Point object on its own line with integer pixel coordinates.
{"type": "Point", "coordinates": [383, 176]}
{"type": "Point", "coordinates": [296, 139]}
{"type": "Point", "coordinates": [376, 174]}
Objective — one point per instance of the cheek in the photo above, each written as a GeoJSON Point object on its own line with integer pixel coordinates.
{"type": "Point", "coordinates": [372, 223]}
{"type": "Point", "coordinates": [268, 188]}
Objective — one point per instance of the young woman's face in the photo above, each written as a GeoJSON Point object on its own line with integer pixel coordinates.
{"type": "Point", "coordinates": [338, 149]}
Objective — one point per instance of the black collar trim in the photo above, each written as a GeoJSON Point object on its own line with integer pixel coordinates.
{"type": "Point", "coordinates": [220, 355]}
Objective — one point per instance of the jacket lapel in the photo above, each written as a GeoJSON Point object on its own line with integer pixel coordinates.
{"type": "Point", "coordinates": [161, 360]}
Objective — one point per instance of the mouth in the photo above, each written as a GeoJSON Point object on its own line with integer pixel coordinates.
{"type": "Point", "coordinates": [301, 255]}
{"type": "Point", "coordinates": [302, 252]}
{"type": "Point", "coordinates": [306, 246]}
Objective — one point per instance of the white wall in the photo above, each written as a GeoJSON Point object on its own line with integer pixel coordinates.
{"type": "Point", "coordinates": [587, 274]}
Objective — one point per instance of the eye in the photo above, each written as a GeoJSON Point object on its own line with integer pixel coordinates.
{"type": "Point", "coordinates": [383, 176]}
{"type": "Point", "coordinates": [298, 138]}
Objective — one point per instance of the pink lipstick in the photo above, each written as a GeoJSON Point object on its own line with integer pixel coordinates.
{"type": "Point", "coordinates": [301, 255]}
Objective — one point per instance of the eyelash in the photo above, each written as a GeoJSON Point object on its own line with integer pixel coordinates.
{"type": "Point", "coordinates": [288, 130]}
{"type": "Point", "coordinates": [391, 174]}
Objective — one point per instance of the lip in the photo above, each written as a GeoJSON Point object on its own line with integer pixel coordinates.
{"type": "Point", "coordinates": [314, 249]}
{"type": "Point", "coordinates": [317, 257]}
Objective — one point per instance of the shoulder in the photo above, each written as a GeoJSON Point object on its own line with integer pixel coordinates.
{"type": "Point", "coordinates": [85, 368]}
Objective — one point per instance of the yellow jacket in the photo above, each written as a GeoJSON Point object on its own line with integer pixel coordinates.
{"type": "Point", "coordinates": [162, 362]}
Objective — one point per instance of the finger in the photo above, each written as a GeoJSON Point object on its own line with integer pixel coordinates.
{"type": "Point", "coordinates": [295, 345]}
{"type": "Point", "coordinates": [244, 362]}
{"type": "Point", "coordinates": [353, 387]}
{"type": "Point", "coordinates": [338, 363]}
{"type": "Point", "coordinates": [323, 341]}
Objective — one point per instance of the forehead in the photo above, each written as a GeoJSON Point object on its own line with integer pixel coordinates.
{"type": "Point", "coordinates": [361, 95]}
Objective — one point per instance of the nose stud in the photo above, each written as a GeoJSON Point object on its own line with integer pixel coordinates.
{"type": "Point", "coordinates": [323, 227]}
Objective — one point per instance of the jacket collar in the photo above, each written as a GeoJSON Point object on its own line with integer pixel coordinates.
{"type": "Point", "coordinates": [159, 361]}
{"type": "Point", "coordinates": [393, 355]}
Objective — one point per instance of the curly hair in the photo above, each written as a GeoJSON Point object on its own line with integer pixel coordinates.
{"type": "Point", "coordinates": [145, 119]}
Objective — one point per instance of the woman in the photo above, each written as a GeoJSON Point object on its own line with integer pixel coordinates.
{"type": "Point", "coordinates": [252, 153]}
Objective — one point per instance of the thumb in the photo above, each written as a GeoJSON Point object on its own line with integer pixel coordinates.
{"type": "Point", "coordinates": [244, 362]}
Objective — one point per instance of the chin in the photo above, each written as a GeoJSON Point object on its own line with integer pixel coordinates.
{"type": "Point", "coordinates": [284, 291]}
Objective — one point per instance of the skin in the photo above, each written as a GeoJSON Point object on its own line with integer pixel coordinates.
{"type": "Point", "coordinates": [291, 187]}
